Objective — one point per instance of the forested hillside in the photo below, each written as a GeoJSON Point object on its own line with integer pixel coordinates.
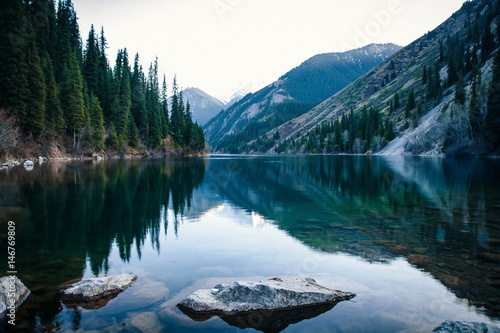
{"type": "Point", "coordinates": [437, 95]}
{"type": "Point", "coordinates": [59, 95]}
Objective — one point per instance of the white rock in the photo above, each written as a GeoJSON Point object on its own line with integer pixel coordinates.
{"type": "Point", "coordinates": [29, 163]}
{"type": "Point", "coordinates": [11, 285]}
{"type": "Point", "coordinates": [462, 327]}
{"type": "Point", "coordinates": [94, 288]}
{"type": "Point", "coordinates": [272, 294]}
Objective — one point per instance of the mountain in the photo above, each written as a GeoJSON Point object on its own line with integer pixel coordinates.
{"type": "Point", "coordinates": [233, 95]}
{"type": "Point", "coordinates": [203, 106]}
{"type": "Point", "coordinates": [431, 96]}
{"type": "Point", "coordinates": [294, 93]}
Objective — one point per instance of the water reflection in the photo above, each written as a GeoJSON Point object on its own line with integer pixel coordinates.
{"type": "Point", "coordinates": [442, 216]}
{"type": "Point", "coordinates": [71, 214]}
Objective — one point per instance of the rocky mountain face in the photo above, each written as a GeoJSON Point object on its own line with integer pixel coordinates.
{"type": "Point", "coordinates": [300, 89]}
{"type": "Point", "coordinates": [203, 106]}
{"type": "Point", "coordinates": [415, 92]}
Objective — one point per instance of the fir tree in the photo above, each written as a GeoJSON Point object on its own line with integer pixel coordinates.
{"type": "Point", "coordinates": [71, 97]}
{"type": "Point", "coordinates": [396, 101]}
{"type": "Point", "coordinates": [138, 106]}
{"type": "Point", "coordinates": [33, 116]}
{"type": "Point", "coordinates": [487, 43]}
{"type": "Point", "coordinates": [389, 130]}
{"type": "Point", "coordinates": [188, 126]}
{"type": "Point", "coordinates": [164, 109]}
{"type": "Point", "coordinates": [54, 118]}
{"type": "Point", "coordinates": [96, 124]}
{"type": "Point", "coordinates": [133, 134]}
{"type": "Point", "coordinates": [91, 62]}
{"type": "Point", "coordinates": [13, 48]}
{"type": "Point", "coordinates": [460, 89]}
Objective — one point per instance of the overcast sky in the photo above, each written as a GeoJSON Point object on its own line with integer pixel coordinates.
{"type": "Point", "coordinates": [217, 45]}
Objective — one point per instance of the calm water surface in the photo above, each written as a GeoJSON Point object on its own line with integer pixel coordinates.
{"type": "Point", "coordinates": [417, 239]}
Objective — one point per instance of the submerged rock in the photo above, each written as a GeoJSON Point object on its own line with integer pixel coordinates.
{"type": "Point", "coordinates": [272, 294]}
{"type": "Point", "coordinates": [465, 327]}
{"type": "Point", "coordinates": [12, 294]}
{"type": "Point", "coordinates": [419, 260]}
{"type": "Point", "coordinates": [95, 293]}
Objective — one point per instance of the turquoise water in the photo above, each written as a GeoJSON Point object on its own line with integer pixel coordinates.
{"type": "Point", "coordinates": [417, 239]}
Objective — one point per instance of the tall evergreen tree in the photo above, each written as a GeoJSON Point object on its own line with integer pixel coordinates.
{"type": "Point", "coordinates": [33, 116]}
{"type": "Point", "coordinates": [96, 124]}
{"type": "Point", "coordinates": [164, 109]}
{"type": "Point", "coordinates": [125, 99]}
{"type": "Point", "coordinates": [91, 62]}
{"type": "Point", "coordinates": [71, 96]}
{"type": "Point", "coordinates": [175, 117]}
{"type": "Point", "coordinates": [54, 118]}
{"type": "Point", "coordinates": [188, 126]}
{"type": "Point", "coordinates": [487, 42]}
{"type": "Point", "coordinates": [138, 107]}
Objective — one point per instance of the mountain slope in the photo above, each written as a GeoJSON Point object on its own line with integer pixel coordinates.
{"type": "Point", "coordinates": [203, 106]}
{"type": "Point", "coordinates": [451, 52]}
{"type": "Point", "coordinates": [314, 80]}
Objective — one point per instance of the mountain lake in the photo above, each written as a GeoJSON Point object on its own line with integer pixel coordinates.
{"type": "Point", "coordinates": [417, 239]}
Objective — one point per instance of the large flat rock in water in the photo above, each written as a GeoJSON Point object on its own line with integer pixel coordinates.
{"type": "Point", "coordinates": [272, 294]}
{"type": "Point", "coordinates": [94, 293]}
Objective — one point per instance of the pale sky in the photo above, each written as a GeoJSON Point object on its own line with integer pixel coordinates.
{"type": "Point", "coordinates": [216, 45]}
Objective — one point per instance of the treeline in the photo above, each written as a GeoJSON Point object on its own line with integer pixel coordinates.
{"type": "Point", "coordinates": [255, 131]}
{"type": "Point", "coordinates": [354, 132]}
{"type": "Point", "coordinates": [57, 89]}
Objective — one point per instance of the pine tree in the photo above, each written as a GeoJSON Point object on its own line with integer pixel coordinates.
{"type": "Point", "coordinates": [112, 137]}
{"type": "Point", "coordinates": [96, 124]}
{"type": "Point", "coordinates": [441, 51]}
{"type": "Point", "coordinates": [389, 130]}
{"type": "Point", "coordinates": [91, 62]}
{"type": "Point", "coordinates": [133, 134]}
{"type": "Point", "coordinates": [411, 100]}
{"type": "Point", "coordinates": [33, 116]}
{"type": "Point", "coordinates": [175, 117]}
{"type": "Point", "coordinates": [396, 101]}
{"type": "Point", "coordinates": [188, 126]}
{"type": "Point", "coordinates": [71, 97]}
{"type": "Point", "coordinates": [487, 43]}
{"type": "Point", "coordinates": [54, 118]}
{"type": "Point", "coordinates": [138, 107]}
{"type": "Point", "coordinates": [424, 77]}
{"type": "Point", "coordinates": [460, 89]}
{"type": "Point", "coordinates": [13, 49]}
{"type": "Point", "coordinates": [125, 99]}
{"type": "Point", "coordinates": [164, 109]}
{"type": "Point", "coordinates": [153, 106]}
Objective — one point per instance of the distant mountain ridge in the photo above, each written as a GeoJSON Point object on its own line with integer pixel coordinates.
{"type": "Point", "coordinates": [300, 89]}
{"type": "Point", "coordinates": [203, 106]}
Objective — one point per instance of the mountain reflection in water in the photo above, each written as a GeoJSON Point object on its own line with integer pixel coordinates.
{"type": "Point", "coordinates": [442, 216]}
